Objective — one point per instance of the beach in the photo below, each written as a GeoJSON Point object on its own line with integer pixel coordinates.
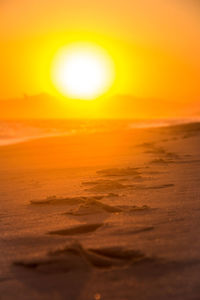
{"type": "Point", "coordinates": [112, 213]}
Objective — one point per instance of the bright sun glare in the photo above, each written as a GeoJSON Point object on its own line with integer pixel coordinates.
{"type": "Point", "coordinates": [82, 71]}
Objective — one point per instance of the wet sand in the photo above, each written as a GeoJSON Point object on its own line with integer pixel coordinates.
{"type": "Point", "coordinates": [113, 215]}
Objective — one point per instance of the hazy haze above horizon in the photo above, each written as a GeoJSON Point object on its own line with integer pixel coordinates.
{"type": "Point", "coordinates": [154, 43]}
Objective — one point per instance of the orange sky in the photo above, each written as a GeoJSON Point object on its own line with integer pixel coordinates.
{"type": "Point", "coordinates": [154, 43]}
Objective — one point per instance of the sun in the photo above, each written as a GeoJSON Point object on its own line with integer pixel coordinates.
{"type": "Point", "coordinates": [82, 71]}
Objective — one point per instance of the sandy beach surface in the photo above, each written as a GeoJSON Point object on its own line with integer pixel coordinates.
{"type": "Point", "coordinates": [101, 216]}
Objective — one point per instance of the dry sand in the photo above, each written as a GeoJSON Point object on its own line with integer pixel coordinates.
{"type": "Point", "coordinates": [106, 216]}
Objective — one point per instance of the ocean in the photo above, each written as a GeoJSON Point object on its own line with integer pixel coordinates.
{"type": "Point", "coordinates": [18, 131]}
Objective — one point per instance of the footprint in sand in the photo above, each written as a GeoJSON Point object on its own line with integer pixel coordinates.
{"type": "Point", "coordinates": [161, 161]}
{"type": "Point", "coordinates": [93, 207]}
{"type": "Point", "coordinates": [171, 161]}
{"type": "Point", "coordinates": [82, 229]}
{"type": "Point", "coordinates": [115, 172]}
{"type": "Point", "coordinates": [164, 156]}
{"type": "Point", "coordinates": [146, 145]}
{"type": "Point", "coordinates": [155, 187]}
{"type": "Point", "coordinates": [156, 150]}
{"type": "Point", "coordinates": [103, 186]}
{"type": "Point", "coordinates": [75, 256]}
{"type": "Point", "coordinates": [54, 200]}
{"type": "Point", "coordinates": [132, 231]}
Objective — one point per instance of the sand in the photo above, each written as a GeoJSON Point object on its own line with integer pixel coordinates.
{"type": "Point", "coordinates": [113, 215]}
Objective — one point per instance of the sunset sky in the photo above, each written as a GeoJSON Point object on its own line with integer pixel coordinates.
{"type": "Point", "coordinates": [154, 44]}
